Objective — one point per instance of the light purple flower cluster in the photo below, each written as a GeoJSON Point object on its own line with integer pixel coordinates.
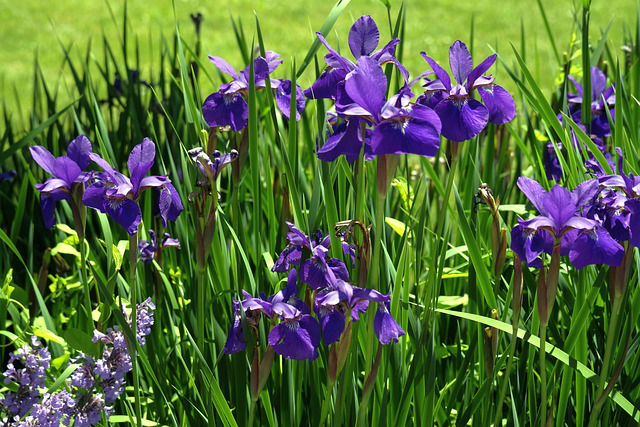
{"type": "Point", "coordinates": [89, 392]}
{"type": "Point", "coordinates": [336, 302]}
{"type": "Point", "coordinates": [150, 248]}
{"type": "Point", "coordinates": [228, 107]}
{"type": "Point", "coordinates": [396, 125]}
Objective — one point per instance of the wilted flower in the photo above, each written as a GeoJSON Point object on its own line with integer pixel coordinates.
{"type": "Point", "coordinates": [364, 37]}
{"type": "Point", "coordinates": [462, 116]}
{"type": "Point", "coordinates": [148, 249]}
{"type": "Point", "coordinates": [212, 166]}
{"type": "Point", "coordinates": [116, 195]}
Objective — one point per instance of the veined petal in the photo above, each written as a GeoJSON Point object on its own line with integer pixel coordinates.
{"type": "Point", "coordinates": [335, 57]}
{"type": "Point", "coordinates": [43, 158]}
{"type": "Point", "coordinates": [223, 66]}
{"type": "Point", "coordinates": [169, 203]}
{"type": "Point", "coordinates": [94, 196]}
{"type": "Point", "coordinates": [633, 205]}
{"type": "Point", "coordinates": [595, 247]}
{"type": "Point", "coordinates": [442, 75]}
{"type": "Point", "coordinates": [499, 102]}
{"type": "Point", "coordinates": [332, 321]}
{"type": "Point", "coordinates": [67, 170]}
{"type": "Point", "coordinates": [79, 150]}
{"type": "Point", "coordinates": [298, 339]}
{"type": "Point", "coordinates": [125, 212]}
{"type": "Point", "coordinates": [584, 192]}
{"type": "Point", "coordinates": [48, 206]}
{"type": "Point", "coordinates": [52, 184]}
{"type": "Point", "coordinates": [283, 99]}
{"type": "Point", "coordinates": [364, 37]}
{"type": "Point", "coordinates": [598, 83]}
{"type": "Point", "coordinates": [366, 85]}
{"type": "Point", "coordinates": [581, 223]}
{"type": "Point", "coordinates": [462, 120]}
{"type": "Point", "coordinates": [140, 161]}
{"type": "Point", "coordinates": [534, 192]}
{"type": "Point", "coordinates": [560, 206]}
{"type": "Point", "coordinates": [327, 84]}
{"type": "Point", "coordinates": [346, 140]}
{"type": "Point", "coordinates": [385, 326]}
{"type": "Point", "coordinates": [477, 72]}
{"type": "Point", "coordinates": [226, 110]}
{"type": "Point", "coordinates": [460, 61]}
{"type": "Point", "coordinates": [417, 134]}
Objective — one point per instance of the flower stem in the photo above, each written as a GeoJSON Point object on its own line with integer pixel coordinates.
{"type": "Point", "coordinates": [376, 256]}
{"type": "Point", "coordinates": [543, 375]}
{"type": "Point", "coordinates": [252, 412]}
{"type": "Point", "coordinates": [325, 404]}
{"type": "Point", "coordinates": [133, 263]}
{"type": "Point", "coordinates": [608, 353]}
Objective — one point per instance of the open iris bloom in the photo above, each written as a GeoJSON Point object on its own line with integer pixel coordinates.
{"type": "Point", "coordinates": [117, 195]}
{"type": "Point", "coordinates": [561, 225]}
{"type": "Point", "coordinates": [601, 95]}
{"type": "Point", "coordinates": [462, 116]}
{"type": "Point", "coordinates": [364, 37]}
{"type": "Point", "coordinates": [398, 126]}
{"type": "Point", "coordinates": [67, 174]}
{"type": "Point", "coordinates": [228, 106]}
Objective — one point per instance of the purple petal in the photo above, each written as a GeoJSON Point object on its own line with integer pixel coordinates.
{"type": "Point", "coordinates": [560, 206]}
{"type": "Point", "coordinates": [67, 170]}
{"type": "Point", "coordinates": [335, 60]}
{"type": "Point", "coordinates": [291, 255]}
{"type": "Point", "coordinates": [595, 247]}
{"type": "Point", "coordinates": [327, 84]}
{"type": "Point", "coordinates": [223, 66]}
{"type": "Point", "coordinates": [633, 205]}
{"type": "Point", "coordinates": [346, 140]}
{"type": "Point", "coordinates": [126, 213]}
{"type": "Point", "coordinates": [460, 61]}
{"type": "Point", "coordinates": [79, 150]}
{"type": "Point", "coordinates": [385, 326]}
{"type": "Point", "coordinates": [94, 196]}
{"type": "Point", "coordinates": [364, 37]}
{"type": "Point", "coordinates": [283, 99]}
{"type": "Point", "coordinates": [534, 192]}
{"type": "Point", "coordinates": [226, 110]}
{"type": "Point", "coordinates": [235, 340]}
{"type": "Point", "coordinates": [48, 206]}
{"type": "Point", "coordinates": [52, 184]}
{"type": "Point", "coordinates": [366, 85]}
{"type": "Point", "coordinates": [584, 192]}
{"type": "Point", "coordinates": [332, 322]}
{"type": "Point", "coordinates": [43, 158]}
{"type": "Point", "coordinates": [419, 134]}
{"type": "Point", "coordinates": [431, 98]}
{"type": "Point", "coordinates": [442, 75]}
{"type": "Point", "coordinates": [477, 72]}
{"type": "Point", "coordinates": [140, 161]}
{"type": "Point", "coordinates": [462, 120]}
{"type": "Point", "coordinates": [313, 273]}
{"type": "Point", "coordinates": [598, 83]}
{"type": "Point", "coordinates": [296, 339]}
{"type": "Point", "coordinates": [169, 204]}
{"type": "Point", "coordinates": [527, 243]}
{"type": "Point", "coordinates": [499, 102]}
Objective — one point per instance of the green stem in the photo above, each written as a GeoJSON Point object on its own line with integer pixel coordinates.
{"type": "Point", "coordinates": [505, 381]}
{"type": "Point", "coordinates": [252, 412]}
{"type": "Point", "coordinates": [543, 375]}
{"type": "Point", "coordinates": [376, 255]}
{"type": "Point", "coordinates": [133, 263]}
{"type": "Point", "coordinates": [609, 347]}
{"type": "Point", "coordinates": [325, 405]}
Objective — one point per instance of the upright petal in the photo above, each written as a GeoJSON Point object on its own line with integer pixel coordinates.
{"type": "Point", "coordinates": [560, 206]}
{"type": "Point", "coordinates": [385, 326]}
{"type": "Point", "coordinates": [499, 102]}
{"type": "Point", "coordinates": [534, 192]}
{"type": "Point", "coordinates": [477, 72]}
{"type": "Point", "coordinates": [364, 37]}
{"type": "Point", "coordinates": [584, 192]}
{"type": "Point", "coordinates": [43, 158]}
{"type": "Point", "coordinates": [140, 161]}
{"type": "Point", "coordinates": [462, 120]}
{"type": "Point", "coordinates": [79, 150]}
{"type": "Point", "coordinates": [366, 85]}
{"type": "Point", "coordinates": [223, 66]}
{"type": "Point", "coordinates": [598, 83]}
{"type": "Point", "coordinates": [460, 61]}
{"type": "Point", "coordinates": [335, 60]}
{"type": "Point", "coordinates": [417, 134]}
{"type": "Point", "coordinates": [67, 170]}
{"type": "Point", "coordinates": [125, 212]}
{"type": "Point", "coordinates": [442, 75]}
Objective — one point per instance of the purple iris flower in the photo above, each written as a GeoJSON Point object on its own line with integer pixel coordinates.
{"type": "Point", "coordinates": [228, 106]}
{"type": "Point", "coordinates": [314, 270]}
{"type": "Point", "coordinates": [462, 116]}
{"type": "Point", "coordinates": [560, 223]}
{"type": "Point", "coordinates": [298, 334]}
{"type": "Point", "coordinates": [364, 37]}
{"type": "Point", "coordinates": [212, 166]}
{"type": "Point", "coordinates": [601, 95]}
{"type": "Point", "coordinates": [8, 175]}
{"type": "Point", "coordinates": [149, 248]}
{"type": "Point", "coordinates": [116, 195]}
{"type": "Point", "coordinates": [551, 162]}
{"type": "Point", "coordinates": [66, 173]}
{"type": "Point", "coordinates": [399, 127]}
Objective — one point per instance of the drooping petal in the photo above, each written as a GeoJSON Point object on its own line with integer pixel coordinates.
{"type": "Point", "coordinates": [346, 140]}
{"type": "Point", "coordinates": [79, 150]}
{"type": "Point", "coordinates": [48, 206]}
{"type": "Point", "coordinates": [527, 243]}
{"type": "Point", "coordinates": [283, 99]}
{"type": "Point", "coordinates": [418, 134]}
{"type": "Point", "coordinates": [595, 247]}
{"type": "Point", "coordinates": [431, 98]}
{"type": "Point", "coordinates": [223, 66]}
{"type": "Point", "coordinates": [584, 192]}
{"type": "Point", "coordinates": [140, 161]}
{"type": "Point", "coordinates": [366, 85]}
{"type": "Point", "coordinates": [460, 61]}
{"type": "Point", "coordinates": [291, 255]}
{"type": "Point", "coordinates": [364, 37]}
{"type": "Point", "coordinates": [235, 340]}
{"type": "Point", "coordinates": [52, 184]}
{"type": "Point", "coordinates": [273, 60]}
{"type": "Point", "coordinates": [499, 102]}
{"type": "Point", "coordinates": [125, 212]}
{"type": "Point", "coordinates": [332, 321]}
{"type": "Point", "coordinates": [462, 120]}
{"type": "Point", "coordinates": [313, 273]}
{"type": "Point", "coordinates": [385, 326]}
{"type": "Point", "coordinates": [476, 74]}
{"type": "Point", "coordinates": [169, 203]}
{"type": "Point", "coordinates": [296, 339]}
{"type": "Point", "coordinates": [327, 84]}
{"type": "Point", "coordinates": [226, 110]}
{"type": "Point", "coordinates": [633, 206]}
{"type": "Point", "coordinates": [94, 196]}
{"type": "Point", "coordinates": [43, 158]}
{"type": "Point", "coordinates": [442, 75]}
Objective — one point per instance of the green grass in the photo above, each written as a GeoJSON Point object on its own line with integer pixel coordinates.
{"type": "Point", "coordinates": [289, 28]}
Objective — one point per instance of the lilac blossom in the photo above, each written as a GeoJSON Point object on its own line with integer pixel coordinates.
{"type": "Point", "coordinates": [364, 37]}
{"type": "Point", "coordinates": [115, 194]}
{"type": "Point", "coordinates": [67, 172]}
{"type": "Point", "coordinates": [228, 106]}
{"type": "Point", "coordinates": [462, 116]}
{"type": "Point", "coordinates": [149, 248]}
{"type": "Point", "coordinates": [560, 222]}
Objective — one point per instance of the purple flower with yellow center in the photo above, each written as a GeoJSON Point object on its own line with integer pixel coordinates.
{"type": "Point", "coordinates": [399, 127]}
{"type": "Point", "coordinates": [601, 98]}
{"type": "Point", "coordinates": [149, 248]}
{"type": "Point", "coordinates": [364, 37]}
{"type": "Point", "coordinates": [228, 106]}
{"type": "Point", "coordinates": [560, 223]}
{"type": "Point", "coordinates": [67, 172]}
{"type": "Point", "coordinates": [116, 195]}
{"type": "Point", "coordinates": [462, 116]}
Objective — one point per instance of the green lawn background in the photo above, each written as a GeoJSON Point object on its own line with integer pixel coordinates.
{"type": "Point", "coordinates": [30, 26]}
